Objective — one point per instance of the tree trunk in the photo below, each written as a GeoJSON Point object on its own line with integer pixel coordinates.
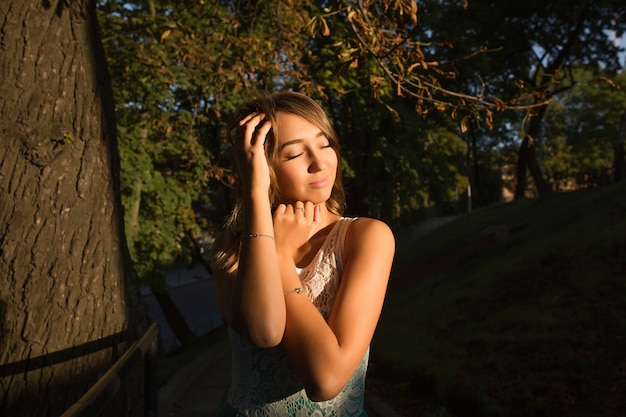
{"type": "Point", "coordinates": [355, 192]}
{"type": "Point", "coordinates": [527, 160]}
{"type": "Point", "coordinates": [477, 190]}
{"type": "Point", "coordinates": [68, 296]}
{"type": "Point", "coordinates": [619, 164]}
{"type": "Point", "coordinates": [522, 169]}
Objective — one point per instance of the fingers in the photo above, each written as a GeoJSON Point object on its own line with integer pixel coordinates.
{"type": "Point", "coordinates": [294, 224]}
{"type": "Point", "coordinates": [252, 131]}
{"type": "Point", "coordinates": [304, 209]}
{"type": "Point", "coordinates": [260, 134]}
{"type": "Point", "coordinates": [248, 118]}
{"type": "Point", "coordinates": [299, 209]}
{"type": "Point", "coordinates": [317, 213]}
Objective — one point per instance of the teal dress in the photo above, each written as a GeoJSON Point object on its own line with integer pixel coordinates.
{"type": "Point", "coordinates": [264, 384]}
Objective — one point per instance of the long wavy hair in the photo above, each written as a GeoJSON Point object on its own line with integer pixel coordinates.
{"type": "Point", "coordinates": [226, 254]}
{"type": "Point", "coordinates": [292, 103]}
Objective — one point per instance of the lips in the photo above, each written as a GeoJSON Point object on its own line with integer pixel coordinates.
{"type": "Point", "coordinates": [319, 183]}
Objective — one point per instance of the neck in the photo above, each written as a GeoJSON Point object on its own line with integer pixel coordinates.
{"type": "Point", "coordinates": [324, 225]}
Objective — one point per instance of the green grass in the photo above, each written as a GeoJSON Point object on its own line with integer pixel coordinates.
{"type": "Point", "coordinates": [531, 325]}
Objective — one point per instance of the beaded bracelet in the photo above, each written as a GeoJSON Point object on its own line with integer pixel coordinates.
{"type": "Point", "coordinates": [251, 235]}
{"type": "Point", "coordinates": [295, 290]}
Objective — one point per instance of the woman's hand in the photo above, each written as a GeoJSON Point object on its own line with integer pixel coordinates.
{"type": "Point", "coordinates": [249, 143]}
{"type": "Point", "coordinates": [294, 224]}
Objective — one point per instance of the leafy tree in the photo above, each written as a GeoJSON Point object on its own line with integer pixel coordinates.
{"type": "Point", "coordinates": [180, 68]}
{"type": "Point", "coordinates": [69, 302]}
{"type": "Point", "coordinates": [580, 130]}
{"type": "Point", "coordinates": [159, 105]}
{"type": "Point", "coordinates": [535, 45]}
{"type": "Point", "coordinates": [382, 135]}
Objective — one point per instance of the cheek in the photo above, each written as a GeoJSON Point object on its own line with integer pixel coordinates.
{"type": "Point", "coordinates": [334, 162]}
{"type": "Point", "coordinates": [285, 178]}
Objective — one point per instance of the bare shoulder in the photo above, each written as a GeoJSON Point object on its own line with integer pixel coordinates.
{"type": "Point", "coordinates": [367, 234]}
{"type": "Point", "coordinates": [366, 227]}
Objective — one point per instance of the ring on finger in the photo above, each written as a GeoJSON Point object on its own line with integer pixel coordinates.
{"type": "Point", "coordinates": [301, 209]}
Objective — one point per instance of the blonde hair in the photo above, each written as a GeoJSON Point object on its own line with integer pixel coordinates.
{"type": "Point", "coordinates": [299, 105]}
{"type": "Point", "coordinates": [226, 248]}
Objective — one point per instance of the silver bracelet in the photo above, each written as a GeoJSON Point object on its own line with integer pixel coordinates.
{"type": "Point", "coordinates": [295, 290]}
{"type": "Point", "coordinates": [251, 235]}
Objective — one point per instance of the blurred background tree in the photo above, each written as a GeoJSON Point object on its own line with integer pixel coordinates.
{"type": "Point", "coordinates": [582, 128]}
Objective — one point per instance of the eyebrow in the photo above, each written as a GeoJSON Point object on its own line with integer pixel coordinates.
{"type": "Point", "coordinates": [295, 141]}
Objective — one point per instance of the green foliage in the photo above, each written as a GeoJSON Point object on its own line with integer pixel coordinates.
{"type": "Point", "coordinates": [446, 174]}
{"type": "Point", "coordinates": [581, 129]}
{"type": "Point", "coordinates": [385, 72]}
{"type": "Point", "coordinates": [532, 49]}
{"type": "Point", "coordinates": [527, 326]}
{"type": "Point", "coordinates": [168, 125]}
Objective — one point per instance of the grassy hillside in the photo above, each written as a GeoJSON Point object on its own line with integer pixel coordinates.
{"type": "Point", "coordinates": [527, 321]}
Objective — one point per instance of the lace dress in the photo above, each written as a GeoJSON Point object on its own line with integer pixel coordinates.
{"type": "Point", "coordinates": [263, 381]}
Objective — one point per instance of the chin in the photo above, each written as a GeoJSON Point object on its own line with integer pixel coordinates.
{"type": "Point", "coordinates": [321, 199]}
{"type": "Point", "coordinates": [316, 197]}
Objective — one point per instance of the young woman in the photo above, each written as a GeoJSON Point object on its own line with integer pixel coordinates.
{"type": "Point", "coordinates": [300, 287]}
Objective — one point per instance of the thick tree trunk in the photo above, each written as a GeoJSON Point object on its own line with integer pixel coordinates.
{"type": "Point", "coordinates": [68, 296]}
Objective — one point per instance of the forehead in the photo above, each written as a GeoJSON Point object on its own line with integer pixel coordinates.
{"type": "Point", "coordinates": [293, 127]}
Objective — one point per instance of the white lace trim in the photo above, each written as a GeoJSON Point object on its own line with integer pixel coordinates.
{"type": "Point", "coordinates": [321, 277]}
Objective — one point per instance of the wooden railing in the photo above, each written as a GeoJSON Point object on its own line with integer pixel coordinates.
{"type": "Point", "coordinates": [93, 402]}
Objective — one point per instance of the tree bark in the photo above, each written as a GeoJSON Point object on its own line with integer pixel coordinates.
{"type": "Point", "coordinates": [68, 297]}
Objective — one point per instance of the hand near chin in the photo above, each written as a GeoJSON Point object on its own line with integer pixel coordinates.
{"type": "Point", "coordinates": [294, 224]}
{"type": "Point", "coordinates": [249, 143]}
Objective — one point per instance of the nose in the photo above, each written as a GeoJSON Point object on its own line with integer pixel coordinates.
{"type": "Point", "coordinates": [316, 162]}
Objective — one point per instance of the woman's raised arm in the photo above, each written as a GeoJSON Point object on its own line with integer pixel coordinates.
{"type": "Point", "coordinates": [250, 292]}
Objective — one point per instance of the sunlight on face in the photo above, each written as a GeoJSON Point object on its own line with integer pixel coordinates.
{"type": "Point", "coordinates": [306, 166]}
